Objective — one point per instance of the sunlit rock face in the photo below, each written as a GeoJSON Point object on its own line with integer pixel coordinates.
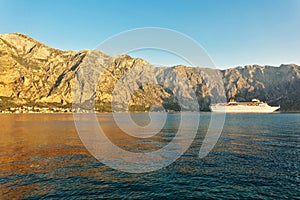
{"type": "Point", "coordinates": [32, 73]}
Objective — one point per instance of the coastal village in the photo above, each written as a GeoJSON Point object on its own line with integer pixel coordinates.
{"type": "Point", "coordinates": [31, 109]}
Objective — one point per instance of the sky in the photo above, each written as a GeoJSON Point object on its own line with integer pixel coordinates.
{"type": "Point", "coordinates": [232, 32]}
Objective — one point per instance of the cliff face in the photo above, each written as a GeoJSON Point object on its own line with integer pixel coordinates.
{"type": "Point", "coordinates": [34, 74]}
{"type": "Point", "coordinates": [275, 85]}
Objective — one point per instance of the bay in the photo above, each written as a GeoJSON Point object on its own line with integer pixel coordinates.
{"type": "Point", "coordinates": [257, 156]}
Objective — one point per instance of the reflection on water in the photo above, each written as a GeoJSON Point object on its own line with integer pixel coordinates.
{"type": "Point", "coordinates": [257, 156]}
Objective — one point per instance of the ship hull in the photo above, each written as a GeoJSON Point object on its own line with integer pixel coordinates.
{"type": "Point", "coordinates": [243, 109]}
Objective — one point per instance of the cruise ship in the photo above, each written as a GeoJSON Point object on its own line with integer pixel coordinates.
{"type": "Point", "coordinates": [255, 106]}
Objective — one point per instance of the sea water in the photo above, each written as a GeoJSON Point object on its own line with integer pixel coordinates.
{"type": "Point", "coordinates": [257, 156]}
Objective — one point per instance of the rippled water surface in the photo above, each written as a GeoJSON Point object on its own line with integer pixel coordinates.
{"type": "Point", "coordinates": [257, 156]}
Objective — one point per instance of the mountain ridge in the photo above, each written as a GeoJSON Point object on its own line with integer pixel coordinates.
{"type": "Point", "coordinates": [34, 74]}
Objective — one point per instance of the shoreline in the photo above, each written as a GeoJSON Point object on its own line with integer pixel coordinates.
{"type": "Point", "coordinates": [133, 112]}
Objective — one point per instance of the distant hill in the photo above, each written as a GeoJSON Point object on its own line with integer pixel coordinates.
{"type": "Point", "coordinates": [34, 74]}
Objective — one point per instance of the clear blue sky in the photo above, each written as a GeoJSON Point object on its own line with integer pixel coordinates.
{"type": "Point", "coordinates": [233, 32]}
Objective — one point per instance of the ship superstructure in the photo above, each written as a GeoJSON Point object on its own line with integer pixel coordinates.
{"type": "Point", "coordinates": [255, 106]}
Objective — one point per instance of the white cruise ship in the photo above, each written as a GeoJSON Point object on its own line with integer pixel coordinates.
{"type": "Point", "coordinates": [255, 106]}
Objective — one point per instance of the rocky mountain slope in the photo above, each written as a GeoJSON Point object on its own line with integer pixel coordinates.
{"type": "Point", "coordinates": [275, 85]}
{"type": "Point", "coordinates": [34, 74]}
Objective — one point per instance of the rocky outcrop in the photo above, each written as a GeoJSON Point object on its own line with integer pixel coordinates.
{"type": "Point", "coordinates": [275, 85]}
{"type": "Point", "coordinates": [32, 73]}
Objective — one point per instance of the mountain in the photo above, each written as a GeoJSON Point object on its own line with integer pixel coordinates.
{"type": "Point", "coordinates": [33, 74]}
{"type": "Point", "coordinates": [275, 85]}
